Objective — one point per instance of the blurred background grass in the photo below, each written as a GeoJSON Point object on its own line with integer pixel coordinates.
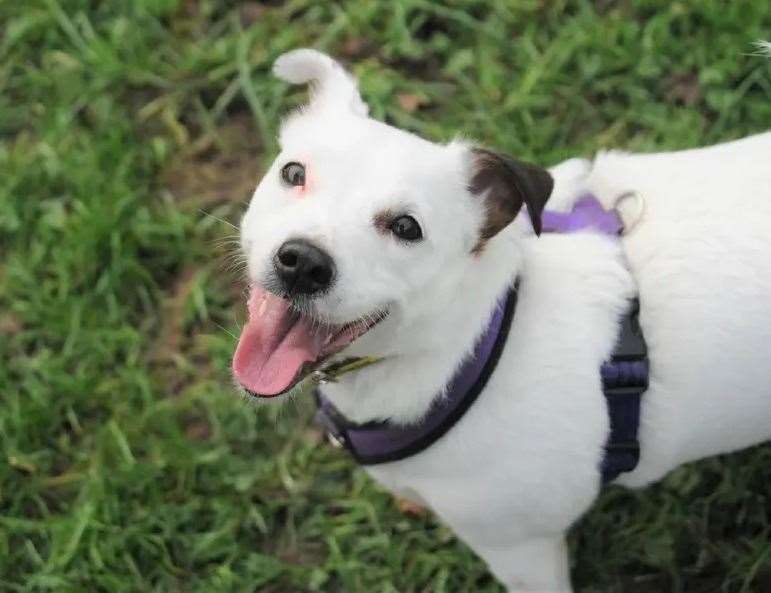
{"type": "Point", "coordinates": [131, 136]}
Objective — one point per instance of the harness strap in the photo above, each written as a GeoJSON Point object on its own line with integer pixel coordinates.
{"type": "Point", "coordinates": [624, 380]}
{"type": "Point", "coordinates": [380, 442]}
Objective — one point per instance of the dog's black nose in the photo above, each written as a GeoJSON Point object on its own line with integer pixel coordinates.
{"type": "Point", "coordinates": [303, 268]}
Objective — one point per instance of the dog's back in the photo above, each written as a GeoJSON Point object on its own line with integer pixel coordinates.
{"type": "Point", "coordinates": [701, 255]}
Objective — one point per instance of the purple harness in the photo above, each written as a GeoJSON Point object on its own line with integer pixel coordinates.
{"type": "Point", "coordinates": [624, 377]}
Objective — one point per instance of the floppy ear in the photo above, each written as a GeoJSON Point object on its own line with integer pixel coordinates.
{"type": "Point", "coordinates": [331, 86]}
{"type": "Point", "coordinates": [505, 184]}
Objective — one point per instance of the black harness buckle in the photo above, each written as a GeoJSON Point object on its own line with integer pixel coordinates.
{"type": "Point", "coordinates": [624, 380]}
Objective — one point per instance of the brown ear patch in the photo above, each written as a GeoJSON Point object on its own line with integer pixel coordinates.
{"type": "Point", "coordinates": [506, 184]}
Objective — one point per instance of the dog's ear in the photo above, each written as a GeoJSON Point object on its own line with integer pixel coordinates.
{"type": "Point", "coordinates": [505, 184]}
{"type": "Point", "coordinates": [331, 86]}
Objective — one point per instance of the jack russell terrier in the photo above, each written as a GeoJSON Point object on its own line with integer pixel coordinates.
{"type": "Point", "coordinates": [494, 340]}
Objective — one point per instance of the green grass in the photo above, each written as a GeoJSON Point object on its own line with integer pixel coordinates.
{"type": "Point", "coordinates": [127, 463]}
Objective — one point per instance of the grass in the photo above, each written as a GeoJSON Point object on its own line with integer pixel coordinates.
{"type": "Point", "coordinates": [131, 134]}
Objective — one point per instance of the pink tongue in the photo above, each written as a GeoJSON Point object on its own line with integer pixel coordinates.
{"type": "Point", "coordinates": [274, 345]}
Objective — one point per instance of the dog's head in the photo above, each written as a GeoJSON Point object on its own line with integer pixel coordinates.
{"type": "Point", "coordinates": [355, 219]}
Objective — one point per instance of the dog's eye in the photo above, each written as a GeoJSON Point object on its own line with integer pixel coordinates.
{"type": "Point", "coordinates": [406, 228]}
{"type": "Point", "coordinates": [293, 174]}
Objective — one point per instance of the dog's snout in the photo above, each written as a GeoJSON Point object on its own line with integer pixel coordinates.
{"type": "Point", "coordinates": [303, 268]}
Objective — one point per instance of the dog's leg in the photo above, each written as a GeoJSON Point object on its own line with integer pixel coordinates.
{"type": "Point", "coordinates": [538, 565]}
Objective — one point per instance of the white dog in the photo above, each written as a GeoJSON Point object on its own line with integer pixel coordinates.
{"type": "Point", "coordinates": [364, 240]}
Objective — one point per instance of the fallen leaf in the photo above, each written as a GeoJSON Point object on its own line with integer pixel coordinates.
{"type": "Point", "coordinates": [410, 508]}
{"type": "Point", "coordinates": [10, 324]}
{"type": "Point", "coordinates": [250, 12]}
{"type": "Point", "coordinates": [354, 46]}
{"type": "Point", "coordinates": [198, 430]}
{"type": "Point", "coordinates": [410, 102]}
{"type": "Point", "coordinates": [684, 88]}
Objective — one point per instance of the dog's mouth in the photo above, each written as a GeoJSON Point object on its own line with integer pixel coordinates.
{"type": "Point", "coordinates": [279, 346]}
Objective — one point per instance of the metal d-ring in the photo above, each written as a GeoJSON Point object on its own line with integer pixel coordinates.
{"type": "Point", "coordinates": [630, 217]}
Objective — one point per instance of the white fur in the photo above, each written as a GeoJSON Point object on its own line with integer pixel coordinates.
{"type": "Point", "coordinates": [333, 87]}
{"type": "Point", "coordinates": [522, 464]}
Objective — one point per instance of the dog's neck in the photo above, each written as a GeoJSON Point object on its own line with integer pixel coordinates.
{"type": "Point", "coordinates": [425, 341]}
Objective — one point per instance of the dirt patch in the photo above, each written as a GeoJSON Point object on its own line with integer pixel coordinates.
{"type": "Point", "coordinates": [251, 12]}
{"type": "Point", "coordinates": [222, 166]}
{"type": "Point", "coordinates": [198, 429]}
{"type": "Point", "coordinates": [684, 88]}
{"type": "Point", "coordinates": [10, 324]}
{"type": "Point", "coordinates": [172, 333]}
{"type": "Point", "coordinates": [216, 174]}
{"type": "Point", "coordinates": [301, 553]}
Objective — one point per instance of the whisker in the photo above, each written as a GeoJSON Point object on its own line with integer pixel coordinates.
{"type": "Point", "coordinates": [222, 220]}
{"type": "Point", "coordinates": [233, 265]}
{"type": "Point", "coordinates": [225, 243]}
{"type": "Point", "coordinates": [228, 332]}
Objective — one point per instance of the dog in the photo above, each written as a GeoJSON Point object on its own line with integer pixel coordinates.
{"type": "Point", "coordinates": [363, 240]}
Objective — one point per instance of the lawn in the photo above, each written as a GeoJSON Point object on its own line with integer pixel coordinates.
{"type": "Point", "coordinates": [131, 136]}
